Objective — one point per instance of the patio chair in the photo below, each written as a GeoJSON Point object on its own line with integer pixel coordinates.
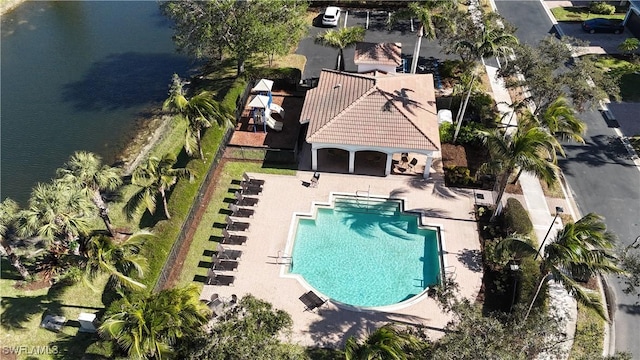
{"type": "Point", "coordinates": [228, 254]}
{"type": "Point", "coordinates": [240, 212]}
{"type": "Point", "coordinates": [236, 225]}
{"type": "Point", "coordinates": [311, 301]}
{"type": "Point", "coordinates": [315, 179]}
{"type": "Point", "coordinates": [251, 180]}
{"type": "Point", "coordinates": [250, 190]}
{"type": "Point", "coordinates": [224, 265]}
{"type": "Point", "coordinates": [213, 278]}
{"type": "Point", "coordinates": [404, 158]}
{"type": "Point", "coordinates": [216, 304]}
{"type": "Point", "coordinates": [232, 239]}
{"type": "Point", "coordinates": [412, 164]}
{"type": "Point", "coordinates": [242, 200]}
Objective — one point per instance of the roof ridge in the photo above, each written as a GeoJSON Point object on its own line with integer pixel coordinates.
{"type": "Point", "coordinates": [343, 111]}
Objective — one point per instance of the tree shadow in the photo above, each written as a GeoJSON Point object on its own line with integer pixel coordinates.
{"type": "Point", "coordinates": [335, 325]}
{"type": "Point", "coordinates": [439, 188]}
{"type": "Point", "coordinates": [471, 259]}
{"type": "Point", "coordinates": [597, 151]}
{"type": "Point", "coordinates": [125, 80]}
{"type": "Point", "coordinates": [75, 347]}
{"type": "Point", "coordinates": [7, 271]}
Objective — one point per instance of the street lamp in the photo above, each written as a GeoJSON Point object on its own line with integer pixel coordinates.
{"type": "Point", "coordinates": [559, 211]}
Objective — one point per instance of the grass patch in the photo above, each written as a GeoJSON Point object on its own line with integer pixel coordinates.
{"type": "Point", "coordinates": [554, 190]}
{"type": "Point", "coordinates": [588, 340]}
{"type": "Point", "coordinates": [22, 312]}
{"type": "Point", "coordinates": [628, 73]}
{"type": "Point", "coordinates": [201, 248]}
{"type": "Point", "coordinates": [580, 13]}
{"type": "Point", "coordinates": [635, 142]}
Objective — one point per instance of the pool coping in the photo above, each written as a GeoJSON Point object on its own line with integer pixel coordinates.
{"type": "Point", "coordinates": [312, 214]}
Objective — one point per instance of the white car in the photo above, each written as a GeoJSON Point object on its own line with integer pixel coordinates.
{"type": "Point", "coordinates": [331, 16]}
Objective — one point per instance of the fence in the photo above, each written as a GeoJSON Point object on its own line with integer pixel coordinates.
{"type": "Point", "coordinates": [165, 273]}
{"type": "Point", "coordinates": [242, 99]}
{"type": "Point", "coordinates": [271, 156]}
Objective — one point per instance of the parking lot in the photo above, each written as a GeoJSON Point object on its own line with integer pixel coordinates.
{"type": "Point", "coordinates": [375, 21]}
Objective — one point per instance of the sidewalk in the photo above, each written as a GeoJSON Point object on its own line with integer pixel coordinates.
{"type": "Point", "coordinates": [562, 304]}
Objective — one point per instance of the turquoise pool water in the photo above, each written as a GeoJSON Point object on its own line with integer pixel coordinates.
{"type": "Point", "coordinates": [366, 255]}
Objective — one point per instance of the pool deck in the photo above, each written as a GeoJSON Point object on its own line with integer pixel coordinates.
{"type": "Point", "coordinates": [259, 274]}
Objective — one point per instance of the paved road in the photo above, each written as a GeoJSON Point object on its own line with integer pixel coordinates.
{"type": "Point", "coordinates": [600, 174]}
{"type": "Point", "coordinates": [321, 57]}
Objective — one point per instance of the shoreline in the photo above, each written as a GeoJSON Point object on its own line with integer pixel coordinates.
{"type": "Point", "coordinates": [9, 5]}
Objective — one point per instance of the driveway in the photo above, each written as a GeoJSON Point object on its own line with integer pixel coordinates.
{"type": "Point", "coordinates": [321, 57]}
{"type": "Point", "coordinates": [600, 174]}
{"type": "Point", "coordinates": [599, 43]}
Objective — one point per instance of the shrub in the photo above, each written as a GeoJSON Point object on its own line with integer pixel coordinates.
{"type": "Point", "coordinates": [598, 7]}
{"type": "Point", "coordinates": [458, 175]}
{"type": "Point", "coordinates": [516, 218]}
{"type": "Point", "coordinates": [446, 132]}
{"type": "Point", "coordinates": [469, 133]}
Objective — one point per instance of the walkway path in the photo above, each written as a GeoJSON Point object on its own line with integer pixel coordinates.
{"type": "Point", "coordinates": [562, 304]}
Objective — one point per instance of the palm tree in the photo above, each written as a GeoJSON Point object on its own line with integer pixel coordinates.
{"type": "Point", "coordinates": [119, 260]}
{"type": "Point", "coordinates": [85, 170]}
{"type": "Point", "coordinates": [429, 14]}
{"type": "Point", "coordinates": [57, 211]}
{"type": "Point", "coordinates": [147, 326]}
{"type": "Point", "coordinates": [154, 177]}
{"type": "Point", "coordinates": [9, 210]}
{"type": "Point", "coordinates": [560, 119]}
{"type": "Point", "coordinates": [491, 41]}
{"type": "Point", "coordinates": [341, 39]}
{"type": "Point", "coordinates": [580, 250]}
{"type": "Point", "coordinates": [197, 112]}
{"type": "Point", "coordinates": [387, 342]}
{"type": "Point", "coordinates": [532, 149]}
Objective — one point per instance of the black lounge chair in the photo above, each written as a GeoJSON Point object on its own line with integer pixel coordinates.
{"type": "Point", "coordinates": [228, 254]}
{"type": "Point", "coordinates": [236, 225]}
{"type": "Point", "coordinates": [315, 179]}
{"type": "Point", "coordinates": [232, 238]}
{"type": "Point", "coordinates": [213, 278]}
{"type": "Point", "coordinates": [240, 212]}
{"type": "Point", "coordinates": [224, 265]}
{"type": "Point", "coordinates": [242, 200]}
{"type": "Point", "coordinates": [251, 180]}
{"type": "Point", "coordinates": [311, 301]}
{"type": "Point", "coordinates": [250, 190]}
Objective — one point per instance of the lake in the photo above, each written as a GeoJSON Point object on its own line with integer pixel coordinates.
{"type": "Point", "coordinates": [77, 76]}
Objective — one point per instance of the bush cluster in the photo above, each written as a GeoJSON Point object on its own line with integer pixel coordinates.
{"type": "Point", "coordinates": [598, 7]}
{"type": "Point", "coordinates": [468, 133]}
{"type": "Point", "coordinates": [516, 218]}
{"type": "Point", "coordinates": [457, 175]}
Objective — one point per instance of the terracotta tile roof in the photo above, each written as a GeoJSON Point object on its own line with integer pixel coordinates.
{"type": "Point", "coordinates": [378, 54]}
{"type": "Point", "coordinates": [377, 109]}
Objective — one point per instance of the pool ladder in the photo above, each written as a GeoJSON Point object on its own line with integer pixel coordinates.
{"type": "Point", "coordinates": [284, 258]}
{"type": "Point", "coordinates": [363, 192]}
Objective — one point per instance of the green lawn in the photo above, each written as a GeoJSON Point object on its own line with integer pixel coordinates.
{"type": "Point", "coordinates": [195, 265]}
{"type": "Point", "coordinates": [22, 312]}
{"type": "Point", "coordinates": [579, 13]}
{"type": "Point", "coordinates": [629, 77]}
{"type": "Point", "coordinates": [588, 341]}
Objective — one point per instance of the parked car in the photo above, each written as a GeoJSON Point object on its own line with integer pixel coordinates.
{"type": "Point", "coordinates": [603, 25]}
{"type": "Point", "coordinates": [331, 16]}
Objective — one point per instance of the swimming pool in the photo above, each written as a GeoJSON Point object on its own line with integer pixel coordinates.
{"type": "Point", "coordinates": [366, 252]}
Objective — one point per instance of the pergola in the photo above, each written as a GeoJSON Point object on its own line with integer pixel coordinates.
{"type": "Point", "coordinates": [376, 111]}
